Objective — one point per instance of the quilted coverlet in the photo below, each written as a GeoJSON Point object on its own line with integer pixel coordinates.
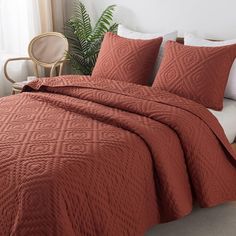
{"type": "Point", "coordinates": [83, 156]}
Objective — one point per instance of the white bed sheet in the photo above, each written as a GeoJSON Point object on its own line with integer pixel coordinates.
{"type": "Point", "coordinates": [227, 118]}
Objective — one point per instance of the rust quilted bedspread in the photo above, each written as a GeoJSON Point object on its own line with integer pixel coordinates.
{"type": "Point", "coordinates": [83, 156]}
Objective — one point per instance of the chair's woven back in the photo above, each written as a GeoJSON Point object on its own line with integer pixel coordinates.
{"type": "Point", "coordinates": [48, 48]}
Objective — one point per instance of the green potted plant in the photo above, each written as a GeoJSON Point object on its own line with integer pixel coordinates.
{"type": "Point", "coordinates": [84, 39]}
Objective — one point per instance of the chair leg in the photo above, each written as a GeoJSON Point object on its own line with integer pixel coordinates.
{"type": "Point", "coordinates": [36, 70]}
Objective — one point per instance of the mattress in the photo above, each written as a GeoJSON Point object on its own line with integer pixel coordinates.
{"type": "Point", "coordinates": [227, 118]}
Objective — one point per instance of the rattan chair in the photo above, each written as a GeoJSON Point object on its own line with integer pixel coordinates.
{"type": "Point", "coordinates": [47, 51]}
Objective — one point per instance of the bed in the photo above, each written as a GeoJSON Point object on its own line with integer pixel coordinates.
{"type": "Point", "coordinates": [218, 220]}
{"type": "Point", "coordinates": [84, 156]}
{"type": "Point", "coordinates": [226, 118]}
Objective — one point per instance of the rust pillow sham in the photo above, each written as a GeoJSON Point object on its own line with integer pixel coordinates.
{"type": "Point", "coordinates": [127, 60]}
{"type": "Point", "coordinates": [196, 73]}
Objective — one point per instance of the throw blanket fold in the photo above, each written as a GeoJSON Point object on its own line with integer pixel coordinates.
{"type": "Point", "coordinates": [83, 156]}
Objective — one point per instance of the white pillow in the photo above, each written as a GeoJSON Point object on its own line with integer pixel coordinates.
{"type": "Point", "coordinates": [130, 34]}
{"type": "Point", "coordinates": [192, 40]}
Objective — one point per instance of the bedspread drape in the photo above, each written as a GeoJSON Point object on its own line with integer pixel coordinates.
{"type": "Point", "coordinates": [83, 156]}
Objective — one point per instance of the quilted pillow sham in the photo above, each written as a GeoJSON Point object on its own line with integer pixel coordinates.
{"type": "Point", "coordinates": [192, 40]}
{"type": "Point", "coordinates": [130, 34]}
{"type": "Point", "coordinates": [196, 73]}
{"type": "Point", "coordinates": [126, 59]}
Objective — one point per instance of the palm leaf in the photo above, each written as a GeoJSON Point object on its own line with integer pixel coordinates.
{"type": "Point", "coordinates": [103, 24]}
{"type": "Point", "coordinates": [84, 41]}
{"type": "Point", "coordinates": [71, 36]}
{"type": "Point", "coordinates": [79, 65]}
{"type": "Point", "coordinates": [113, 28]}
{"type": "Point", "coordinates": [81, 20]}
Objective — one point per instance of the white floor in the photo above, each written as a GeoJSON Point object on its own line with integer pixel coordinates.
{"type": "Point", "coordinates": [217, 221]}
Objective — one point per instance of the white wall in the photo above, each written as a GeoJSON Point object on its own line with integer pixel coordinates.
{"type": "Point", "coordinates": [214, 19]}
